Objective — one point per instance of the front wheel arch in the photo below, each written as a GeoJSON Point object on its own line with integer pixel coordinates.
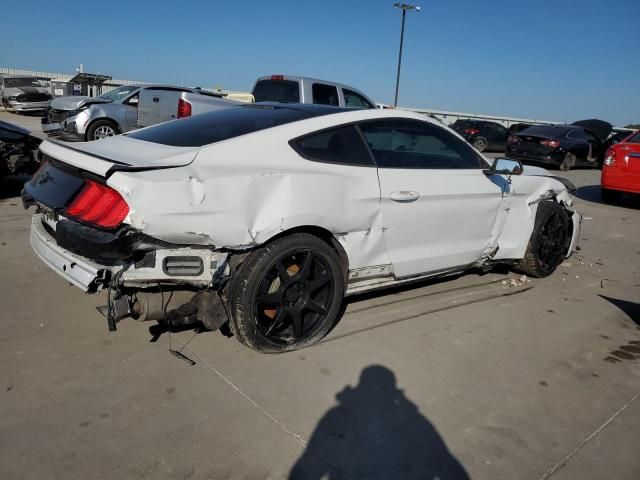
{"type": "Point", "coordinates": [532, 264]}
{"type": "Point", "coordinates": [101, 119]}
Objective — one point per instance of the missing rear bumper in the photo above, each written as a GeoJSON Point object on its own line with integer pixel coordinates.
{"type": "Point", "coordinates": [151, 267]}
{"type": "Point", "coordinates": [81, 272]}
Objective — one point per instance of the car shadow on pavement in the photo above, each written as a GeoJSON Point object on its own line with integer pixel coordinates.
{"type": "Point", "coordinates": [376, 432]}
{"type": "Point", "coordinates": [631, 309]}
{"type": "Point", "coordinates": [592, 193]}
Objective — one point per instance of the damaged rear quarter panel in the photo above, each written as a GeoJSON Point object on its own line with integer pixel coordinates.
{"type": "Point", "coordinates": [241, 192]}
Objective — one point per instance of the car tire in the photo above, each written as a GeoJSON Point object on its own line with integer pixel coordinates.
{"type": "Point", "coordinates": [480, 144]}
{"type": "Point", "coordinates": [549, 241]}
{"type": "Point", "coordinates": [101, 129]}
{"type": "Point", "coordinates": [568, 162]}
{"type": "Point", "coordinates": [610, 196]}
{"type": "Point", "coordinates": [287, 294]}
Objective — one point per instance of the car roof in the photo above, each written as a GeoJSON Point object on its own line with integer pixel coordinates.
{"type": "Point", "coordinates": [310, 108]}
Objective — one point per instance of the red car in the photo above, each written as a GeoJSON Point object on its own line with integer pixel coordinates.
{"type": "Point", "coordinates": [621, 169]}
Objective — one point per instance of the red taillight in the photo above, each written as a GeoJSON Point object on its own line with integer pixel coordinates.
{"type": "Point", "coordinates": [610, 158]}
{"type": "Point", "coordinates": [184, 108]}
{"type": "Point", "coordinates": [513, 139]}
{"type": "Point", "coordinates": [277, 77]}
{"type": "Point", "coordinates": [471, 131]}
{"type": "Point", "coordinates": [99, 205]}
{"type": "Point", "coordinates": [550, 143]}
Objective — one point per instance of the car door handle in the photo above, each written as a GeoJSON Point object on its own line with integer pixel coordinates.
{"type": "Point", "coordinates": [404, 196]}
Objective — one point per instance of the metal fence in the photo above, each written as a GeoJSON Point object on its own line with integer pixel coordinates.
{"type": "Point", "coordinates": [444, 116]}
{"type": "Point", "coordinates": [448, 118]}
{"type": "Point", "coordinates": [46, 77]}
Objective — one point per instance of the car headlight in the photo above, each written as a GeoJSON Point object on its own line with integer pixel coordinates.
{"type": "Point", "coordinates": [13, 99]}
{"type": "Point", "coordinates": [78, 111]}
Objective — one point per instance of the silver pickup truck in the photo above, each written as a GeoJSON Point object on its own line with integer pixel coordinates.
{"type": "Point", "coordinates": [124, 109]}
{"type": "Point", "coordinates": [295, 89]}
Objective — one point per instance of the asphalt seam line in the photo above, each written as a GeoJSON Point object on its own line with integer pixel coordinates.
{"type": "Point", "coordinates": [571, 454]}
{"type": "Point", "coordinates": [418, 315]}
{"type": "Point", "coordinates": [295, 436]}
{"type": "Point", "coordinates": [298, 438]}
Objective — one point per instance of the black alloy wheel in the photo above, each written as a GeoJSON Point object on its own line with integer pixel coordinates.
{"type": "Point", "coordinates": [286, 294]}
{"type": "Point", "coordinates": [549, 241]}
{"type": "Point", "coordinates": [552, 241]}
{"type": "Point", "coordinates": [293, 297]}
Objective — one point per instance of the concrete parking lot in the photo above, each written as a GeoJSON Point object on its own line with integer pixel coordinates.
{"type": "Point", "coordinates": [489, 376]}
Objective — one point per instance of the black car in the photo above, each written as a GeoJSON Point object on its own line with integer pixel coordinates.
{"type": "Point", "coordinates": [517, 128]}
{"type": "Point", "coordinates": [564, 146]}
{"type": "Point", "coordinates": [481, 134]}
{"type": "Point", "coordinates": [618, 135]}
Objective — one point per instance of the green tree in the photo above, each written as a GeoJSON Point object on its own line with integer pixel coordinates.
{"type": "Point", "coordinates": [635, 126]}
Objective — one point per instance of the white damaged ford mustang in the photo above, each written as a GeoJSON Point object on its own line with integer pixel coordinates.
{"type": "Point", "coordinates": [263, 217]}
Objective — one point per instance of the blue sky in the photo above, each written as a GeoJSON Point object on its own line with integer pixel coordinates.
{"type": "Point", "coordinates": [548, 59]}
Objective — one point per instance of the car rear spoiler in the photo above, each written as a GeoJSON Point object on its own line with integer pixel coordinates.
{"type": "Point", "coordinates": [93, 163]}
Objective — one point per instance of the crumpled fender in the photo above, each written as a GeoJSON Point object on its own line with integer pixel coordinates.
{"type": "Point", "coordinates": [527, 191]}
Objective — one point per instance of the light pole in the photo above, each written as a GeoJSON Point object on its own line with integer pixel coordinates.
{"type": "Point", "coordinates": [404, 7]}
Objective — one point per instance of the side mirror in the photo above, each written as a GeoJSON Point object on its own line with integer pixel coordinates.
{"type": "Point", "coordinates": [505, 166]}
{"type": "Point", "coordinates": [133, 101]}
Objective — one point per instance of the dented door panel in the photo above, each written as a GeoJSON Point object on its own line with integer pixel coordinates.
{"type": "Point", "coordinates": [450, 224]}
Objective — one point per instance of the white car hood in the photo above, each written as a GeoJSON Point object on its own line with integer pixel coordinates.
{"type": "Point", "coordinates": [119, 153]}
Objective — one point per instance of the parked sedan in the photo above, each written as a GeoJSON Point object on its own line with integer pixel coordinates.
{"type": "Point", "coordinates": [264, 216]}
{"type": "Point", "coordinates": [621, 169]}
{"type": "Point", "coordinates": [483, 135]}
{"type": "Point", "coordinates": [562, 146]}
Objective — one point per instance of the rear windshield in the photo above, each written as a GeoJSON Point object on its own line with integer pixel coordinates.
{"type": "Point", "coordinates": [286, 91]}
{"type": "Point", "coordinates": [546, 131]}
{"type": "Point", "coordinates": [21, 82]}
{"type": "Point", "coordinates": [218, 125]}
{"type": "Point", "coordinates": [465, 124]}
{"type": "Point", "coordinates": [635, 138]}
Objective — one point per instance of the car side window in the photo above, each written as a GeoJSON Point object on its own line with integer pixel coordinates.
{"type": "Point", "coordinates": [325, 94]}
{"type": "Point", "coordinates": [577, 134]}
{"type": "Point", "coordinates": [133, 101]}
{"type": "Point", "coordinates": [403, 143]}
{"type": "Point", "coordinates": [591, 138]}
{"type": "Point", "coordinates": [341, 145]}
{"type": "Point", "coordinates": [355, 100]}
{"type": "Point", "coordinates": [501, 131]}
